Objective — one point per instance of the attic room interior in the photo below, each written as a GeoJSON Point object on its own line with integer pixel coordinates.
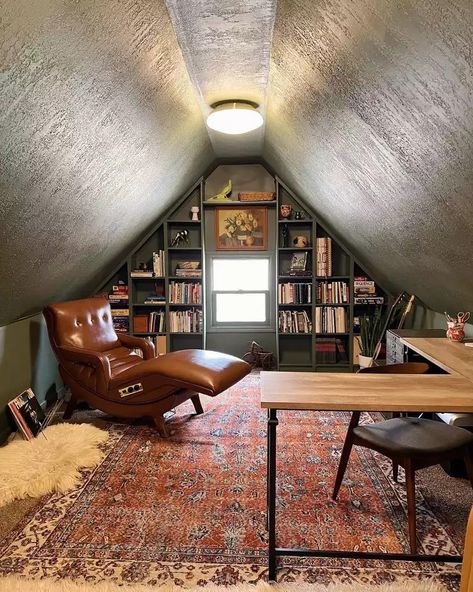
{"type": "Point", "coordinates": [236, 263]}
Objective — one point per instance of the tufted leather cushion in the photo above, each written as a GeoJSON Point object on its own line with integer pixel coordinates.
{"type": "Point", "coordinates": [86, 324]}
{"type": "Point", "coordinates": [412, 436]}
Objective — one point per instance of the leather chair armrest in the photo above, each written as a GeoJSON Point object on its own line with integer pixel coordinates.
{"type": "Point", "coordinates": [89, 358]}
{"type": "Point", "coordinates": [137, 342]}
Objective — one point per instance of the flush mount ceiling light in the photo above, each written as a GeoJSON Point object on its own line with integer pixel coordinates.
{"type": "Point", "coordinates": [234, 117]}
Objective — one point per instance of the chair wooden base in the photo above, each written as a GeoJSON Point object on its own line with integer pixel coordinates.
{"type": "Point", "coordinates": [154, 409]}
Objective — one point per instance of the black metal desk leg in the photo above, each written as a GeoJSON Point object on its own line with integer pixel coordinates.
{"type": "Point", "coordinates": [271, 487]}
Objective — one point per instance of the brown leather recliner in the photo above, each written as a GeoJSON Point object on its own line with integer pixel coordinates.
{"type": "Point", "coordinates": [101, 368]}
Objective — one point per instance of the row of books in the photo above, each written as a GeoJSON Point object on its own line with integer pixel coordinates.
{"type": "Point", "coordinates": [294, 321]}
{"type": "Point", "coordinates": [331, 319]}
{"type": "Point", "coordinates": [185, 293]}
{"type": "Point", "coordinates": [324, 256]}
{"type": "Point", "coordinates": [330, 350]}
{"type": "Point", "coordinates": [154, 322]}
{"type": "Point", "coordinates": [300, 293]}
{"type": "Point", "coordinates": [159, 263]}
{"type": "Point", "coordinates": [333, 293]}
{"type": "Point", "coordinates": [185, 321]}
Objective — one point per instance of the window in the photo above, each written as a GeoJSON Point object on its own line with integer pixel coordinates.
{"type": "Point", "coordinates": [240, 291]}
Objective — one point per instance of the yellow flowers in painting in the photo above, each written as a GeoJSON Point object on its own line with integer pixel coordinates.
{"type": "Point", "coordinates": [241, 229]}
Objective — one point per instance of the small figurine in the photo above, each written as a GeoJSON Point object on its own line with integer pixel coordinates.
{"type": "Point", "coordinates": [285, 211]}
{"type": "Point", "coordinates": [181, 237]}
{"type": "Point", "coordinates": [143, 267]}
{"type": "Point", "coordinates": [285, 235]}
{"type": "Point", "coordinates": [223, 195]}
{"type": "Point", "coordinates": [301, 241]}
{"type": "Point", "coordinates": [455, 331]}
{"type": "Point", "coordinates": [195, 214]}
{"type": "Point", "coordinates": [298, 215]}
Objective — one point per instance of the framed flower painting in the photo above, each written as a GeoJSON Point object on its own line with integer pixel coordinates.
{"type": "Point", "coordinates": [241, 229]}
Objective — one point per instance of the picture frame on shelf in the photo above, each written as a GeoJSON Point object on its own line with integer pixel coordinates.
{"type": "Point", "coordinates": [241, 228]}
{"type": "Point", "coordinates": [299, 261]}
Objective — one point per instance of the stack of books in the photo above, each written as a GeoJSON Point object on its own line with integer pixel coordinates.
{"type": "Point", "coordinates": [119, 294]}
{"type": "Point", "coordinates": [140, 273]}
{"type": "Point", "coordinates": [185, 321]}
{"type": "Point", "coordinates": [330, 319]}
{"type": "Point", "coordinates": [185, 293]}
{"type": "Point", "coordinates": [159, 263]}
{"type": "Point", "coordinates": [154, 322]}
{"type": "Point", "coordinates": [292, 321]}
{"type": "Point", "coordinates": [324, 256]}
{"type": "Point", "coordinates": [188, 273]}
{"type": "Point", "coordinates": [330, 350]}
{"type": "Point", "coordinates": [333, 293]}
{"type": "Point", "coordinates": [297, 293]}
{"type": "Point", "coordinates": [365, 291]}
{"type": "Point", "coordinates": [120, 318]}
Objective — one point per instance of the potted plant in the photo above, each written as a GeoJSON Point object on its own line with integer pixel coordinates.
{"type": "Point", "coordinates": [371, 329]}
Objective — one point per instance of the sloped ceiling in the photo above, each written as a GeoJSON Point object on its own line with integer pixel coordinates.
{"type": "Point", "coordinates": [226, 45]}
{"type": "Point", "coordinates": [100, 130]}
{"type": "Point", "coordinates": [370, 117]}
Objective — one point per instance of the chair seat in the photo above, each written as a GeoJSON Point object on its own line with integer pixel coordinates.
{"type": "Point", "coordinates": [412, 437]}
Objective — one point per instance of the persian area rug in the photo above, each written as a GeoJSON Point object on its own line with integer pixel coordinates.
{"type": "Point", "coordinates": [190, 510]}
{"type": "Point", "coordinates": [12, 584]}
{"type": "Point", "coordinates": [49, 463]}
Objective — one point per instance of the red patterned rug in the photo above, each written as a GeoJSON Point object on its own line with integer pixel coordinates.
{"type": "Point", "coordinates": [191, 509]}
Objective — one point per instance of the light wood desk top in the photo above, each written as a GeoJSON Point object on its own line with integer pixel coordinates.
{"type": "Point", "coordinates": [454, 358]}
{"type": "Point", "coordinates": [320, 391]}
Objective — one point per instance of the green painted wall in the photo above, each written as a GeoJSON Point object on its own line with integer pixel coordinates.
{"type": "Point", "coordinates": [26, 360]}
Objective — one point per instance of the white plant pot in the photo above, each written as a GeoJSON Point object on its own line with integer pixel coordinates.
{"type": "Point", "coordinates": [365, 361]}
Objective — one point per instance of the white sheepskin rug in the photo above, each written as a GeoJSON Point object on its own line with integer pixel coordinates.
{"type": "Point", "coordinates": [49, 463]}
{"type": "Point", "coordinates": [19, 585]}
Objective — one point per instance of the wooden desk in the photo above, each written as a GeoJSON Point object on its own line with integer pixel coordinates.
{"type": "Point", "coordinates": [350, 392]}
{"type": "Point", "coordinates": [454, 358]}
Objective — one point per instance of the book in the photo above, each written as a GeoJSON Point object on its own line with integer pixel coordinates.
{"type": "Point", "coordinates": [324, 256]}
{"type": "Point", "coordinates": [28, 414]}
{"type": "Point", "coordinates": [138, 273]}
{"type": "Point", "coordinates": [369, 300]}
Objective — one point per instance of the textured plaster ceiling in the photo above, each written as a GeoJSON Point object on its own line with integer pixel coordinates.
{"type": "Point", "coordinates": [370, 119]}
{"type": "Point", "coordinates": [368, 116]}
{"type": "Point", "coordinates": [100, 130]}
{"type": "Point", "coordinates": [226, 45]}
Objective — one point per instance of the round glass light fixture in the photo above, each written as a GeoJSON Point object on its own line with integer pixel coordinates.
{"type": "Point", "coordinates": [234, 117]}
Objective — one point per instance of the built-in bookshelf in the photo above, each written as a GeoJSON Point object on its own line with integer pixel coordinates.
{"type": "Point", "coordinates": [321, 291]}
{"type": "Point", "coordinates": [161, 281]}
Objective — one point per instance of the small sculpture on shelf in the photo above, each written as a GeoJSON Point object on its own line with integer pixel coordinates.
{"type": "Point", "coordinates": [285, 211]}
{"type": "Point", "coordinates": [143, 267]}
{"type": "Point", "coordinates": [195, 214]}
{"type": "Point", "coordinates": [455, 331]}
{"type": "Point", "coordinates": [224, 194]}
{"type": "Point", "coordinates": [301, 241]}
{"type": "Point", "coordinates": [298, 215]}
{"type": "Point", "coordinates": [181, 237]}
{"type": "Point", "coordinates": [285, 236]}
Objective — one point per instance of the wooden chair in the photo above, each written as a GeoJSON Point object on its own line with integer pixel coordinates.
{"type": "Point", "coordinates": [413, 443]}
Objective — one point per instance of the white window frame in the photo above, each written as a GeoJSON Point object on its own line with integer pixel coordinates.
{"type": "Point", "coordinates": [239, 324]}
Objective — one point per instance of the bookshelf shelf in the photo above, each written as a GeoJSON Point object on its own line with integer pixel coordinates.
{"type": "Point", "coordinates": [233, 203]}
{"type": "Point", "coordinates": [293, 305]}
{"type": "Point", "coordinates": [181, 305]}
{"type": "Point", "coordinates": [334, 304]}
{"type": "Point", "coordinates": [296, 248]}
{"type": "Point", "coordinates": [154, 333]}
{"type": "Point", "coordinates": [332, 333]}
{"type": "Point", "coordinates": [308, 278]}
{"type": "Point", "coordinates": [284, 221]}
{"type": "Point", "coordinates": [185, 333]}
{"type": "Point", "coordinates": [143, 305]}
{"type": "Point", "coordinates": [332, 277]}
{"type": "Point", "coordinates": [295, 334]}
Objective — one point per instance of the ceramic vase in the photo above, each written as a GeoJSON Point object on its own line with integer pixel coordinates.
{"type": "Point", "coordinates": [455, 331]}
{"type": "Point", "coordinates": [365, 361]}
